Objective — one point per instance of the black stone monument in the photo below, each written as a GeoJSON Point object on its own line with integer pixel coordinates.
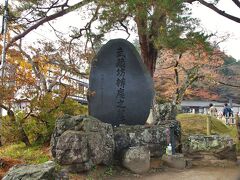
{"type": "Point", "coordinates": [120, 87]}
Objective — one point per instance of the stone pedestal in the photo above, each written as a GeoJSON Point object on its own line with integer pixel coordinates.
{"type": "Point", "coordinates": [177, 161]}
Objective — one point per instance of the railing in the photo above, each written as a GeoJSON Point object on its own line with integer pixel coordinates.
{"type": "Point", "coordinates": [230, 120]}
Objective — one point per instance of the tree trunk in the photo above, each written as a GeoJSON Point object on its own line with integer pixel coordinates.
{"type": "Point", "coordinates": [237, 121]}
{"type": "Point", "coordinates": [147, 35]}
{"type": "Point", "coordinates": [149, 54]}
{"type": "Point", "coordinates": [23, 135]}
{"type": "Point", "coordinates": [164, 111]}
{"type": "Point", "coordinates": [148, 51]}
{"type": "Point", "coordinates": [0, 126]}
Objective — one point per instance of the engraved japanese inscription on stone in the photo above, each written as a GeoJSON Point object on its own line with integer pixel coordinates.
{"type": "Point", "coordinates": [120, 86]}
{"type": "Point", "coordinates": [120, 83]}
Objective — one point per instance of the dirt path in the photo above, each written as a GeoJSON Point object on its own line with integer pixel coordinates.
{"type": "Point", "coordinates": [196, 173]}
{"type": "Point", "coordinates": [207, 173]}
{"type": "Point", "coordinates": [6, 164]}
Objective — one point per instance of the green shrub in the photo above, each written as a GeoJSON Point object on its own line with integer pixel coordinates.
{"type": "Point", "coordinates": [40, 127]}
{"type": "Point", "coordinates": [9, 131]}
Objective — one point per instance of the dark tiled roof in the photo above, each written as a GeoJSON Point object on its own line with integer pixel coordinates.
{"type": "Point", "coordinates": [197, 103]}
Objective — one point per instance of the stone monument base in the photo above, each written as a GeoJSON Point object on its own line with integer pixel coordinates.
{"type": "Point", "coordinates": [82, 142]}
{"type": "Point", "coordinates": [155, 137]}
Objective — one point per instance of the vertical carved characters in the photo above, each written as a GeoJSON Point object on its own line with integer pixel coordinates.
{"type": "Point", "coordinates": [120, 83]}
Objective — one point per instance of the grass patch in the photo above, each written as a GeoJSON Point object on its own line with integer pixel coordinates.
{"type": "Point", "coordinates": [31, 155]}
{"type": "Point", "coordinates": [98, 172]}
{"type": "Point", "coordinates": [197, 124]}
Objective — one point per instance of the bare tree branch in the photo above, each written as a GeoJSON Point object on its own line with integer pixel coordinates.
{"type": "Point", "coordinates": [227, 84]}
{"type": "Point", "coordinates": [87, 29]}
{"type": "Point", "coordinates": [221, 12]}
{"type": "Point", "coordinates": [47, 19]}
{"type": "Point", "coordinates": [56, 32]}
{"type": "Point", "coordinates": [56, 80]}
{"type": "Point", "coordinates": [4, 107]}
{"type": "Point", "coordinates": [125, 27]}
{"type": "Point", "coordinates": [62, 102]}
{"type": "Point", "coordinates": [237, 2]}
{"type": "Point", "coordinates": [35, 67]}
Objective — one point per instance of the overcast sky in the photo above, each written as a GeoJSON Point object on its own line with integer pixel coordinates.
{"type": "Point", "coordinates": [213, 22]}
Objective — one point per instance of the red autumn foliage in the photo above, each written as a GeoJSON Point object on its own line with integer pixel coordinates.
{"type": "Point", "coordinates": [176, 73]}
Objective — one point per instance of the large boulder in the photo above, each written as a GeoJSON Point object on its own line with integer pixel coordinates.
{"type": "Point", "coordinates": [137, 159]}
{"type": "Point", "coordinates": [155, 137]}
{"type": "Point", "coordinates": [45, 171]}
{"type": "Point", "coordinates": [81, 142]}
{"type": "Point", "coordinates": [210, 150]}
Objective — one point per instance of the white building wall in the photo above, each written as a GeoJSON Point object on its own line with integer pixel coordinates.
{"type": "Point", "coordinates": [3, 112]}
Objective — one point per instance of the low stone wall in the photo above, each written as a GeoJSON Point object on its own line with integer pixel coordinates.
{"type": "Point", "coordinates": [155, 137]}
{"type": "Point", "coordinates": [210, 150]}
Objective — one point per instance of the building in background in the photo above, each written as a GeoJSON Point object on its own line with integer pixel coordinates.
{"type": "Point", "coordinates": [201, 107]}
{"type": "Point", "coordinates": [22, 102]}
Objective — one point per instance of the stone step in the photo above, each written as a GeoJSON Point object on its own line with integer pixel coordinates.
{"type": "Point", "coordinates": [156, 163]}
{"type": "Point", "coordinates": [177, 161]}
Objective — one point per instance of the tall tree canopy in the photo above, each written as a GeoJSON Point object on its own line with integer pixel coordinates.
{"type": "Point", "coordinates": [148, 18]}
{"type": "Point", "coordinates": [160, 25]}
